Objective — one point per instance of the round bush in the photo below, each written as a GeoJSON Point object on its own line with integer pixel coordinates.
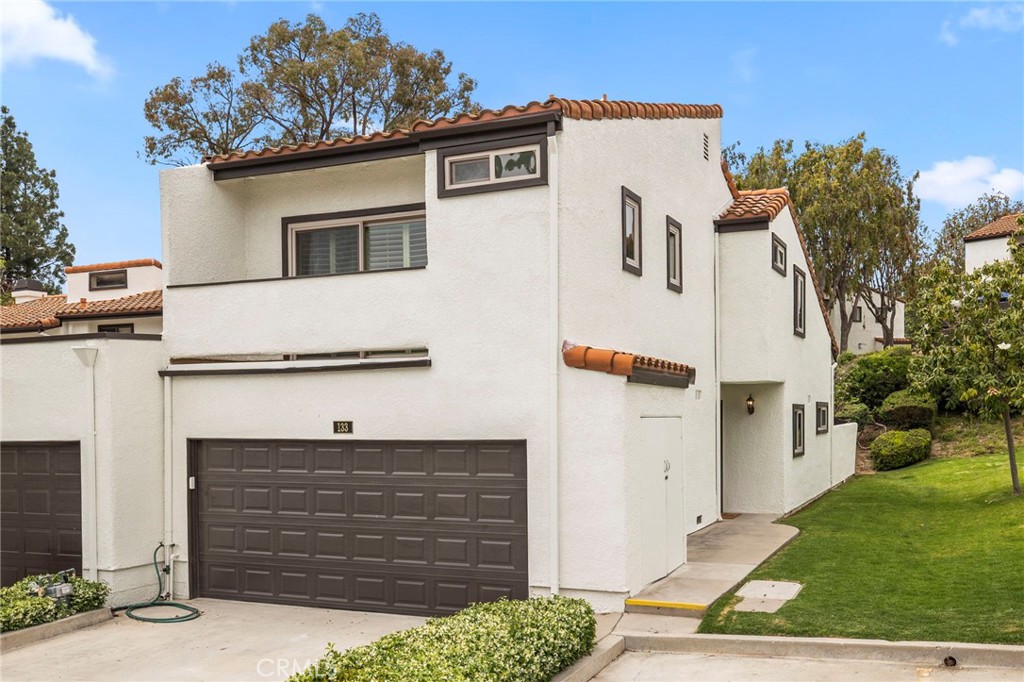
{"type": "Point", "coordinates": [907, 409]}
{"type": "Point", "coordinates": [897, 449]}
{"type": "Point", "coordinates": [853, 412]}
{"type": "Point", "coordinates": [21, 608]}
{"type": "Point", "coordinates": [871, 378]}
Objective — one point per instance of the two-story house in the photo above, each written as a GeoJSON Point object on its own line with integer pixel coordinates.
{"type": "Point", "coordinates": [380, 389]}
{"type": "Point", "coordinates": [990, 243]}
{"type": "Point", "coordinates": [82, 438]}
{"type": "Point", "coordinates": [866, 333]}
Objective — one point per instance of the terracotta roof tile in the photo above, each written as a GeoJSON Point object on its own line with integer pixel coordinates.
{"type": "Point", "coordinates": [117, 265]}
{"type": "Point", "coordinates": [898, 340]}
{"type": "Point", "coordinates": [47, 312]}
{"type": "Point", "coordinates": [577, 109]}
{"type": "Point", "coordinates": [34, 314]}
{"type": "Point", "coordinates": [619, 363]}
{"type": "Point", "coordinates": [768, 203]}
{"type": "Point", "coordinates": [1003, 227]}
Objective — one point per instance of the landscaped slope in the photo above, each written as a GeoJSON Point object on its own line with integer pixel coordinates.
{"type": "Point", "coordinates": [930, 552]}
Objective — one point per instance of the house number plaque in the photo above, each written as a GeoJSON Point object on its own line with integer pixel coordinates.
{"type": "Point", "coordinates": [343, 427]}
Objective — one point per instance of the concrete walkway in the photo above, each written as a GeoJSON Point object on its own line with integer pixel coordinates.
{"type": "Point", "coordinates": [719, 557]}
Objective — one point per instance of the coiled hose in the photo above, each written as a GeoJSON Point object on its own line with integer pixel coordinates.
{"type": "Point", "coordinates": [191, 612]}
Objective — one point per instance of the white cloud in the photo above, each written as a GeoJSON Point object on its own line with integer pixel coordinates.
{"type": "Point", "coordinates": [957, 183]}
{"type": "Point", "coordinates": [1008, 18]}
{"type": "Point", "coordinates": [743, 64]}
{"type": "Point", "coordinates": [32, 30]}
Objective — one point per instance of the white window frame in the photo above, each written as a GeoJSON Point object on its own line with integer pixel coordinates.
{"type": "Point", "coordinates": [360, 223]}
{"type": "Point", "coordinates": [450, 161]}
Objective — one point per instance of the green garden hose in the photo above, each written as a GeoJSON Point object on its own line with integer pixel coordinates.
{"type": "Point", "coordinates": [191, 612]}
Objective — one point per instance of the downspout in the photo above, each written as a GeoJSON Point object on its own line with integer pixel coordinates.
{"type": "Point", "coordinates": [718, 380]}
{"type": "Point", "coordinates": [554, 356]}
{"type": "Point", "coordinates": [831, 427]}
{"type": "Point", "coordinates": [87, 356]}
{"type": "Point", "coordinates": [168, 486]}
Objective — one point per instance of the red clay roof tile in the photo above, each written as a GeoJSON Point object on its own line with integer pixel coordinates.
{"type": "Point", "coordinates": [47, 312]}
{"type": "Point", "coordinates": [34, 314]}
{"type": "Point", "coordinates": [117, 265]}
{"type": "Point", "coordinates": [619, 363]}
{"type": "Point", "coordinates": [1003, 227]}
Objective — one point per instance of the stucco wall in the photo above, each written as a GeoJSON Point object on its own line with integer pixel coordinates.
{"type": "Point", "coordinates": [863, 334]}
{"type": "Point", "coordinates": [982, 251]}
{"type": "Point", "coordinates": [45, 398]}
{"type": "Point", "coordinates": [143, 278]}
{"type": "Point", "coordinates": [752, 452]}
{"type": "Point", "coordinates": [143, 325]}
{"type": "Point", "coordinates": [844, 452]}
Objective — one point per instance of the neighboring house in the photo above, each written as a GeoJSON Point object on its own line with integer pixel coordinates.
{"type": "Point", "coordinates": [866, 335]}
{"type": "Point", "coordinates": [991, 242]}
{"type": "Point", "coordinates": [502, 354]}
{"type": "Point", "coordinates": [81, 458]}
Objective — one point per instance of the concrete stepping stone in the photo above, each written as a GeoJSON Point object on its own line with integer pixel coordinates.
{"type": "Point", "coordinates": [766, 596]}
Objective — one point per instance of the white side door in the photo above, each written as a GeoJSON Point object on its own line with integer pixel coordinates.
{"type": "Point", "coordinates": [664, 535]}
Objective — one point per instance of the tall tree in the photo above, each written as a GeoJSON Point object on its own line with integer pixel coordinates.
{"type": "Point", "coordinates": [303, 81]}
{"type": "Point", "coordinates": [33, 240]}
{"type": "Point", "coordinates": [846, 196]}
{"type": "Point", "coordinates": [949, 244]}
{"type": "Point", "coordinates": [968, 330]}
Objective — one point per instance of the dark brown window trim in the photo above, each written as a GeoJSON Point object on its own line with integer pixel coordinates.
{"type": "Point", "coordinates": [114, 328]}
{"type": "Point", "coordinates": [799, 429]}
{"type": "Point", "coordinates": [193, 285]}
{"type": "Point", "coordinates": [799, 280]}
{"type": "Point", "coordinates": [93, 275]}
{"type": "Point", "coordinates": [82, 337]}
{"type": "Point", "coordinates": [777, 243]}
{"type": "Point", "coordinates": [857, 314]}
{"type": "Point", "coordinates": [676, 227]}
{"type": "Point", "coordinates": [637, 269]}
{"type": "Point", "coordinates": [335, 215]}
{"type": "Point", "coordinates": [394, 364]}
{"type": "Point", "coordinates": [725, 226]}
{"type": "Point", "coordinates": [821, 426]}
{"type": "Point", "coordinates": [444, 153]}
{"type": "Point", "coordinates": [640, 376]}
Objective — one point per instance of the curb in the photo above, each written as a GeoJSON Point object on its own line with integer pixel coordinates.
{"type": "Point", "coordinates": [16, 639]}
{"type": "Point", "coordinates": [919, 653]}
{"type": "Point", "coordinates": [606, 651]}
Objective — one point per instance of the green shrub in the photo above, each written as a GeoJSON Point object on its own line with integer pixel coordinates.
{"type": "Point", "coordinates": [897, 449]}
{"type": "Point", "coordinates": [907, 409]}
{"type": "Point", "coordinates": [21, 608]}
{"type": "Point", "coordinates": [853, 412]}
{"type": "Point", "coordinates": [871, 378]}
{"type": "Point", "coordinates": [845, 358]}
{"type": "Point", "coordinates": [523, 640]}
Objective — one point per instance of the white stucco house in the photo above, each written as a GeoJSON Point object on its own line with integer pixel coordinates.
{"type": "Point", "coordinates": [510, 353]}
{"type": "Point", "coordinates": [991, 243]}
{"type": "Point", "coordinates": [82, 444]}
{"type": "Point", "coordinates": [866, 335]}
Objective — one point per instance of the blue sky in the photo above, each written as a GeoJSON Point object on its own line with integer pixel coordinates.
{"type": "Point", "coordinates": [940, 85]}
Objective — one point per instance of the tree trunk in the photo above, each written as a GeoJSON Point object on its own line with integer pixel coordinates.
{"type": "Point", "coordinates": [845, 324]}
{"type": "Point", "coordinates": [1013, 454]}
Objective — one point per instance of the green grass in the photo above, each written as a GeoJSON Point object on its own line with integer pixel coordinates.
{"type": "Point", "coordinates": [932, 552]}
{"type": "Point", "coordinates": [967, 436]}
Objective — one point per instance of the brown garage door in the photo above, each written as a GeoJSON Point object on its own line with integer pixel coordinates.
{"type": "Point", "coordinates": [403, 527]}
{"type": "Point", "coordinates": [40, 509]}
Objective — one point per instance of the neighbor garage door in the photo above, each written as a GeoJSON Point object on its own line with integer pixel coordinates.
{"type": "Point", "coordinates": [40, 509]}
{"type": "Point", "coordinates": [404, 527]}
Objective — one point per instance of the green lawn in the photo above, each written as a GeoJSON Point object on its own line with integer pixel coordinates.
{"type": "Point", "coordinates": [931, 552]}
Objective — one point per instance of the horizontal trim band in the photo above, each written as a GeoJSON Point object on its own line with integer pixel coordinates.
{"type": "Point", "coordinates": [295, 277]}
{"type": "Point", "coordinates": [82, 337]}
{"type": "Point", "coordinates": [352, 367]}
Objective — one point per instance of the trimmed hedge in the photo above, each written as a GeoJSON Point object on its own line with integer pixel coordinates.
{"type": "Point", "coordinates": [907, 409]}
{"type": "Point", "coordinates": [21, 608]}
{"type": "Point", "coordinates": [897, 449]}
{"type": "Point", "coordinates": [853, 412]}
{"type": "Point", "coordinates": [524, 640]}
{"type": "Point", "coordinates": [871, 378]}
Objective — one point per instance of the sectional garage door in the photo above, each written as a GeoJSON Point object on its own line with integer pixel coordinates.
{"type": "Point", "coordinates": [403, 527]}
{"type": "Point", "coordinates": [40, 509]}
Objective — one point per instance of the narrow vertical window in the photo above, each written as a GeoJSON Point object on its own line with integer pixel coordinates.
{"type": "Point", "coordinates": [778, 255]}
{"type": "Point", "coordinates": [858, 314]}
{"type": "Point", "coordinates": [632, 236]}
{"type": "Point", "coordinates": [798, 430]}
{"type": "Point", "coordinates": [799, 302]}
{"type": "Point", "coordinates": [821, 417]}
{"type": "Point", "coordinates": [674, 248]}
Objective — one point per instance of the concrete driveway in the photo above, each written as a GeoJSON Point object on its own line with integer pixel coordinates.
{"type": "Point", "coordinates": [231, 642]}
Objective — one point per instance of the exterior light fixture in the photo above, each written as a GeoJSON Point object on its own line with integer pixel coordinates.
{"type": "Point", "coordinates": [750, 404]}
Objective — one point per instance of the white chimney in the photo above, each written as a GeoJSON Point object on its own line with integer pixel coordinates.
{"type": "Point", "coordinates": [27, 290]}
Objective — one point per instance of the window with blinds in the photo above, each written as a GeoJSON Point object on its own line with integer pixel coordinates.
{"type": "Point", "coordinates": [358, 246]}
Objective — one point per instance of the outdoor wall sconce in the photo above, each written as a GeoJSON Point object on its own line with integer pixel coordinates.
{"type": "Point", "coordinates": [750, 404]}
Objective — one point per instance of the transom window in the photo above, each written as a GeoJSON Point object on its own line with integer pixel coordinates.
{"type": "Point", "coordinates": [128, 328]}
{"type": "Point", "coordinates": [798, 430]}
{"type": "Point", "coordinates": [632, 237]}
{"type": "Point", "coordinates": [331, 247]}
{"type": "Point", "coordinates": [799, 302]}
{"type": "Point", "coordinates": [491, 167]}
{"type": "Point", "coordinates": [778, 255]}
{"type": "Point", "coordinates": [108, 279]}
{"type": "Point", "coordinates": [674, 247]}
